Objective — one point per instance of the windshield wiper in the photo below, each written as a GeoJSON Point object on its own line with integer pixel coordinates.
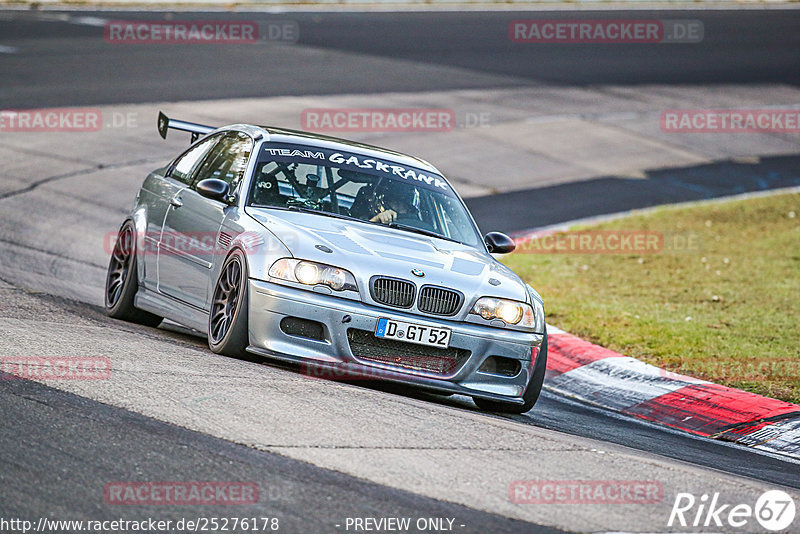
{"type": "Point", "coordinates": [422, 231]}
{"type": "Point", "coordinates": [395, 225]}
{"type": "Point", "coordinates": [304, 209]}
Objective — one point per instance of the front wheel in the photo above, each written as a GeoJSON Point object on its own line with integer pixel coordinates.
{"type": "Point", "coordinates": [227, 320]}
{"type": "Point", "coordinates": [532, 392]}
{"type": "Point", "coordinates": [122, 281]}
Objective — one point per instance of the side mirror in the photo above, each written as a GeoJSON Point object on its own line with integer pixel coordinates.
{"type": "Point", "coordinates": [499, 243]}
{"type": "Point", "coordinates": [214, 189]}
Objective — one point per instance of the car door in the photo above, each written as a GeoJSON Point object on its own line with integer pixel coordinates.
{"type": "Point", "coordinates": [188, 248]}
{"type": "Point", "coordinates": [157, 192]}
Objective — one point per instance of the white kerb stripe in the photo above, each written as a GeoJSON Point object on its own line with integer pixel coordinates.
{"type": "Point", "coordinates": [88, 21]}
{"type": "Point", "coordinates": [618, 382]}
{"type": "Point", "coordinates": [554, 330]}
{"type": "Point", "coordinates": [782, 437]}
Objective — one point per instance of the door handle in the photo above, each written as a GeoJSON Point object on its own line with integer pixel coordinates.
{"type": "Point", "coordinates": [175, 202]}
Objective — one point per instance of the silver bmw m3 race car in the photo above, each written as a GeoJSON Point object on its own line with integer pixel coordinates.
{"type": "Point", "coordinates": [350, 260]}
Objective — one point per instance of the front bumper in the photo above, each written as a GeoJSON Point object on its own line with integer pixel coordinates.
{"type": "Point", "coordinates": [271, 303]}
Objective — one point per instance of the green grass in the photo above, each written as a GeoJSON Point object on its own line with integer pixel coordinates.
{"type": "Point", "coordinates": [726, 309]}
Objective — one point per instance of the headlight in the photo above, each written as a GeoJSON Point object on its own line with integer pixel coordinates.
{"type": "Point", "coordinates": [307, 273]}
{"type": "Point", "coordinates": [509, 311]}
{"type": "Point", "coordinates": [310, 273]}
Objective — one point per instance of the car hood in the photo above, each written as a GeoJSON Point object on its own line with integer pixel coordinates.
{"type": "Point", "coordinates": [367, 249]}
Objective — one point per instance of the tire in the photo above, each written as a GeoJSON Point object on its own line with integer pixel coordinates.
{"type": "Point", "coordinates": [122, 281]}
{"type": "Point", "coordinates": [227, 319]}
{"type": "Point", "coordinates": [531, 394]}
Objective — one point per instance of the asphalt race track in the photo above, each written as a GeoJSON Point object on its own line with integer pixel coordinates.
{"type": "Point", "coordinates": [100, 442]}
{"type": "Point", "coordinates": [435, 51]}
{"type": "Point", "coordinates": [321, 452]}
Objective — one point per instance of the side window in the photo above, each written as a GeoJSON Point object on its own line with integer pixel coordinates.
{"type": "Point", "coordinates": [182, 169]}
{"type": "Point", "coordinates": [228, 160]}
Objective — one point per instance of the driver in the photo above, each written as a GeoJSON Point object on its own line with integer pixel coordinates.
{"type": "Point", "coordinates": [398, 199]}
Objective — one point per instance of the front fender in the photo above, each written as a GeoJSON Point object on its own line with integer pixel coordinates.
{"type": "Point", "coordinates": [139, 218]}
{"type": "Point", "coordinates": [538, 308]}
{"type": "Point", "coordinates": [260, 246]}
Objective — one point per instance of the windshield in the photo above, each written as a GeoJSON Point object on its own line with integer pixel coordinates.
{"type": "Point", "coordinates": [360, 187]}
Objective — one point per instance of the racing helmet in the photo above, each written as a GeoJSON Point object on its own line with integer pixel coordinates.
{"type": "Point", "coordinates": [403, 195]}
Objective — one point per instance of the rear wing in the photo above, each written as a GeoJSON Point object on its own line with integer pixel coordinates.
{"type": "Point", "coordinates": [165, 123]}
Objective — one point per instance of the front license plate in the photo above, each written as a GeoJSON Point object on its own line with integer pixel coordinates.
{"type": "Point", "coordinates": [413, 333]}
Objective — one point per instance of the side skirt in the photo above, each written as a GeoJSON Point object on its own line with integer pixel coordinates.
{"type": "Point", "coordinates": [172, 309]}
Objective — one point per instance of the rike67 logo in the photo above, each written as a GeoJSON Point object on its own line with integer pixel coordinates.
{"type": "Point", "coordinates": [774, 510]}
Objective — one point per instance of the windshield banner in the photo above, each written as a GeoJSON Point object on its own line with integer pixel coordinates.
{"type": "Point", "coordinates": [286, 153]}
